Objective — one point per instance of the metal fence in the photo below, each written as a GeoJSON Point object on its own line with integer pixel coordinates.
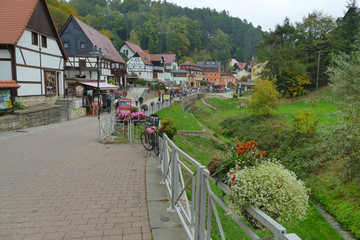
{"type": "Point", "coordinates": [196, 214]}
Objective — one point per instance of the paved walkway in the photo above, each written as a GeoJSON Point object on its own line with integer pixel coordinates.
{"type": "Point", "coordinates": [56, 182]}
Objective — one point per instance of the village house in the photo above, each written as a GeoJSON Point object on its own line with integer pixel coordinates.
{"type": "Point", "coordinates": [212, 71]}
{"type": "Point", "coordinates": [227, 80]}
{"type": "Point", "coordinates": [241, 69]}
{"type": "Point", "coordinates": [92, 56]}
{"type": "Point", "coordinates": [147, 66]}
{"type": "Point", "coordinates": [31, 53]}
{"type": "Point", "coordinates": [194, 74]}
{"type": "Point", "coordinates": [129, 49]}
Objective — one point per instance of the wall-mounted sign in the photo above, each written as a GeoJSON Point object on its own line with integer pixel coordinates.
{"type": "Point", "coordinates": [125, 105]}
{"type": "Point", "coordinates": [5, 99]}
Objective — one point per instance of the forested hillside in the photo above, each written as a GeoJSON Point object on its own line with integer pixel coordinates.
{"type": "Point", "coordinates": [162, 27]}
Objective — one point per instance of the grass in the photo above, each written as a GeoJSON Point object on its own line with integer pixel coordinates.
{"type": "Point", "coordinates": [184, 121]}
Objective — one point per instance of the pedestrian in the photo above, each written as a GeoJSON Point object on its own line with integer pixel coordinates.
{"type": "Point", "coordinates": [141, 100]}
{"type": "Point", "coordinates": [95, 106]}
{"type": "Point", "coordinates": [136, 100]}
{"type": "Point", "coordinates": [108, 104]}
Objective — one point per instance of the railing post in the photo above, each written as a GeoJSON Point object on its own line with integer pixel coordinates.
{"type": "Point", "coordinates": [200, 211]}
{"type": "Point", "coordinates": [174, 178]}
{"type": "Point", "coordinates": [164, 160]}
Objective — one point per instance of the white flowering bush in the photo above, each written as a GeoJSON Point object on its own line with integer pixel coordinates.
{"type": "Point", "coordinates": [269, 187]}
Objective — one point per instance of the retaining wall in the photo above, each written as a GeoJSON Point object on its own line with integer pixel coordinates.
{"type": "Point", "coordinates": [33, 116]}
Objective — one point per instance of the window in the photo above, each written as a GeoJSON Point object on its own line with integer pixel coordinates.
{"type": "Point", "coordinates": [66, 45]}
{"type": "Point", "coordinates": [34, 38]}
{"type": "Point", "coordinates": [50, 83]}
{"type": "Point", "coordinates": [82, 45]}
{"type": "Point", "coordinates": [215, 74]}
{"type": "Point", "coordinates": [43, 41]}
{"type": "Point", "coordinates": [82, 63]}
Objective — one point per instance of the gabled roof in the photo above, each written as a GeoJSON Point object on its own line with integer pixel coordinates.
{"type": "Point", "coordinates": [14, 17]}
{"type": "Point", "coordinates": [240, 65]}
{"type": "Point", "coordinates": [193, 66]}
{"type": "Point", "coordinates": [145, 57]}
{"type": "Point", "coordinates": [98, 39]}
{"type": "Point", "coordinates": [134, 47]}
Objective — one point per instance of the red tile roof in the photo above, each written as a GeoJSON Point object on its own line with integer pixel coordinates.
{"type": "Point", "coordinates": [14, 17]}
{"type": "Point", "coordinates": [135, 48]}
{"type": "Point", "coordinates": [100, 40]}
{"type": "Point", "coordinates": [241, 66]}
{"type": "Point", "coordinates": [9, 84]}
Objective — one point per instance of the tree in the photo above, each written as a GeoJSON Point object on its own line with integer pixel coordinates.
{"type": "Point", "coordinates": [345, 85]}
{"type": "Point", "coordinates": [134, 38]}
{"type": "Point", "coordinates": [264, 99]}
{"type": "Point", "coordinates": [347, 30]}
{"type": "Point", "coordinates": [219, 46]}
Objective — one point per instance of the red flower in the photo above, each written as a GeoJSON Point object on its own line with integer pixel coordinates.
{"type": "Point", "coordinates": [264, 154]}
{"type": "Point", "coordinates": [239, 152]}
{"type": "Point", "coordinates": [259, 154]}
{"type": "Point", "coordinates": [237, 144]}
{"type": "Point", "coordinates": [233, 178]}
{"type": "Point", "coordinates": [163, 127]}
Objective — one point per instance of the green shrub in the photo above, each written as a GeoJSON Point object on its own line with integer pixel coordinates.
{"type": "Point", "coordinates": [271, 188]}
{"type": "Point", "coordinates": [18, 105]}
{"type": "Point", "coordinates": [305, 123]}
{"type": "Point", "coordinates": [235, 96]}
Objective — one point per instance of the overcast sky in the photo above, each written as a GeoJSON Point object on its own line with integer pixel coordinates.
{"type": "Point", "coordinates": [268, 13]}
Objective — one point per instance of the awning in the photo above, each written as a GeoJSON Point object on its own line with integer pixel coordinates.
{"type": "Point", "coordinates": [9, 84]}
{"type": "Point", "coordinates": [102, 85]}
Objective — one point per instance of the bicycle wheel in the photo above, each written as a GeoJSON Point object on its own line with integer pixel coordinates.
{"type": "Point", "coordinates": [146, 141]}
{"type": "Point", "coordinates": [155, 137]}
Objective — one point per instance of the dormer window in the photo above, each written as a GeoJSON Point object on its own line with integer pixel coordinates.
{"type": "Point", "coordinates": [82, 45]}
{"type": "Point", "coordinates": [34, 38]}
{"type": "Point", "coordinates": [66, 45]}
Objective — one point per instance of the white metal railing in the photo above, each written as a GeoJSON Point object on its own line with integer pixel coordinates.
{"type": "Point", "coordinates": [197, 212]}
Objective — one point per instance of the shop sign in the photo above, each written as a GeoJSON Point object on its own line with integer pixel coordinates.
{"type": "Point", "coordinates": [125, 105]}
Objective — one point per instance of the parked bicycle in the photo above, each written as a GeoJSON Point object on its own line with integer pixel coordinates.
{"type": "Point", "coordinates": [149, 137]}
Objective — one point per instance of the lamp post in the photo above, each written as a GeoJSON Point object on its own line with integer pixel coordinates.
{"type": "Point", "coordinates": [98, 54]}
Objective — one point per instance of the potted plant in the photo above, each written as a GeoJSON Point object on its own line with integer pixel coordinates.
{"type": "Point", "coordinates": [168, 127]}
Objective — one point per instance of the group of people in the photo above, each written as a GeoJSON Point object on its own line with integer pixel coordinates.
{"type": "Point", "coordinates": [98, 104]}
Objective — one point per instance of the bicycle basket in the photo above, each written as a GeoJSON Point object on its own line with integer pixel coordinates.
{"type": "Point", "coordinates": [155, 119]}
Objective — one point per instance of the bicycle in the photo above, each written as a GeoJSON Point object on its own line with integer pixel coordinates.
{"type": "Point", "coordinates": [149, 137]}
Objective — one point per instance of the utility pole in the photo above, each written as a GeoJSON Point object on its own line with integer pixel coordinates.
{"type": "Point", "coordinates": [318, 69]}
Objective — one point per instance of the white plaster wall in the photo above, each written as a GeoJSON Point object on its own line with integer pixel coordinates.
{"type": "Point", "coordinates": [130, 52]}
{"type": "Point", "coordinates": [5, 70]}
{"type": "Point", "coordinates": [28, 74]}
{"type": "Point", "coordinates": [4, 53]}
{"type": "Point", "coordinates": [19, 58]}
{"type": "Point", "coordinates": [29, 89]}
{"type": "Point", "coordinates": [52, 47]}
{"type": "Point", "coordinates": [50, 62]}
{"type": "Point", "coordinates": [31, 58]}
{"type": "Point", "coordinates": [25, 41]}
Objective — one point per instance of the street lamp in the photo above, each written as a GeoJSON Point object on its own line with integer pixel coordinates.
{"type": "Point", "coordinates": [98, 54]}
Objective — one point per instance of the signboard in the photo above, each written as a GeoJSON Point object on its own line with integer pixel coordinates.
{"type": "Point", "coordinates": [5, 99]}
{"type": "Point", "coordinates": [125, 105]}
{"type": "Point", "coordinates": [166, 96]}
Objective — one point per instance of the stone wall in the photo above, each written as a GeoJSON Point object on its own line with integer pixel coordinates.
{"type": "Point", "coordinates": [77, 113]}
{"type": "Point", "coordinates": [189, 100]}
{"type": "Point", "coordinates": [33, 116]}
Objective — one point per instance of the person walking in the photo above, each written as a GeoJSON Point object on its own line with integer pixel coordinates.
{"type": "Point", "coordinates": [108, 104]}
{"type": "Point", "coordinates": [136, 100]}
{"type": "Point", "coordinates": [141, 100]}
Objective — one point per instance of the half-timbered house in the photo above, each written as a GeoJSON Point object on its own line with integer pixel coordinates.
{"type": "Point", "coordinates": [80, 42]}
{"type": "Point", "coordinates": [31, 53]}
{"type": "Point", "coordinates": [147, 66]}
